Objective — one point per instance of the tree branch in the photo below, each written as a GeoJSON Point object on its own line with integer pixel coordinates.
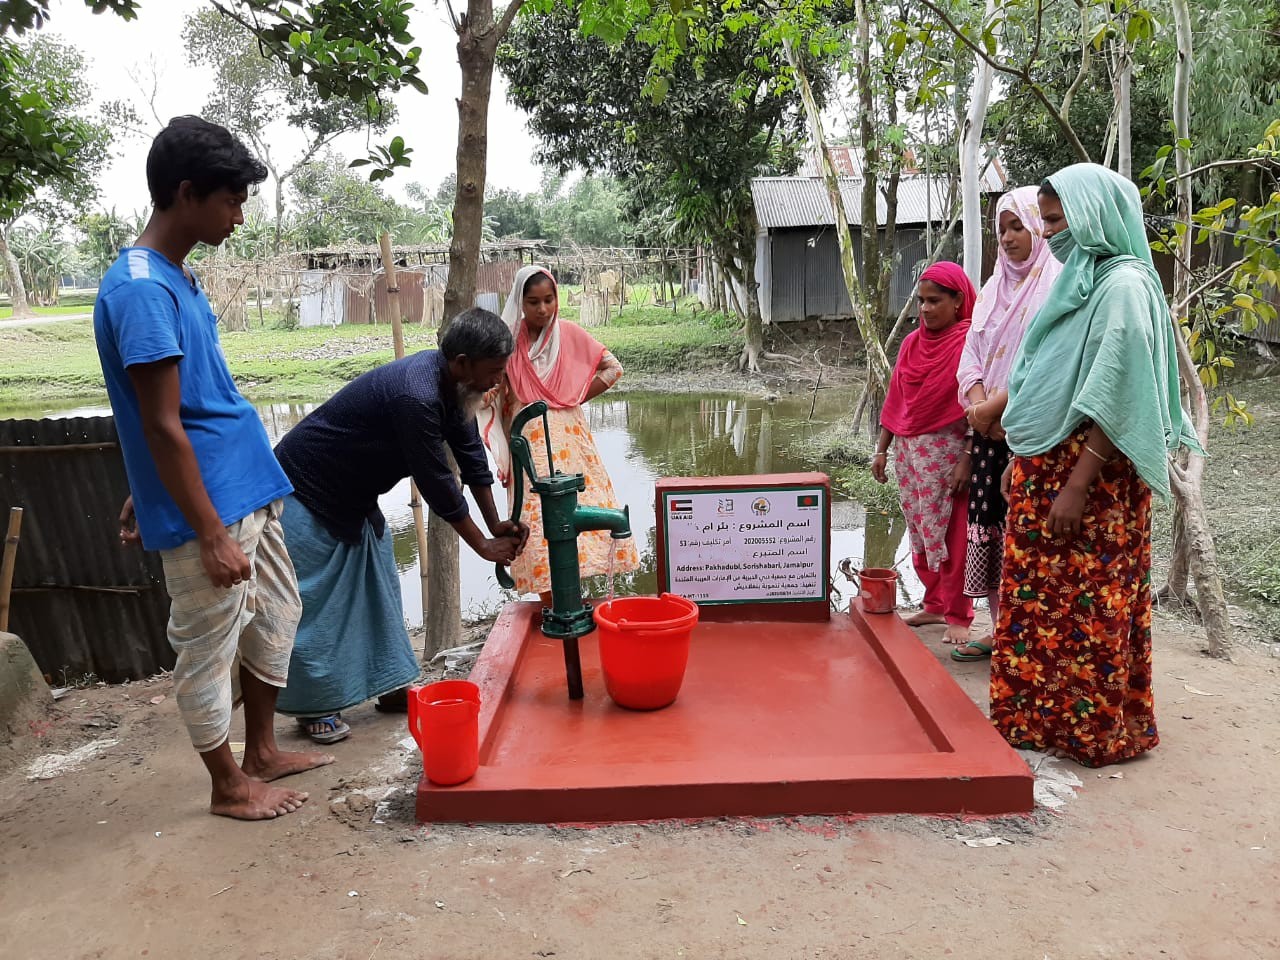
{"type": "Point", "coordinates": [453, 17]}
{"type": "Point", "coordinates": [1086, 60]}
{"type": "Point", "coordinates": [508, 17]}
{"type": "Point", "coordinates": [1022, 73]}
{"type": "Point", "coordinates": [1221, 275]}
{"type": "Point", "coordinates": [1263, 162]}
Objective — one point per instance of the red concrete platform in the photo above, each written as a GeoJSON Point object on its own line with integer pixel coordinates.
{"type": "Point", "coordinates": [853, 715]}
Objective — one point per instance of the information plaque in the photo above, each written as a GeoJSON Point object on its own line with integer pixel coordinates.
{"type": "Point", "coordinates": [745, 540]}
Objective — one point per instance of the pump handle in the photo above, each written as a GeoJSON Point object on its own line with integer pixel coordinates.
{"type": "Point", "coordinates": [522, 464]}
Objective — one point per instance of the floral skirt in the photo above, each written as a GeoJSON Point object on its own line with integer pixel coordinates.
{"type": "Point", "coordinates": [1071, 668]}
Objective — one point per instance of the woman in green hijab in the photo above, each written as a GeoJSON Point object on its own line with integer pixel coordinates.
{"type": "Point", "coordinates": [1093, 415]}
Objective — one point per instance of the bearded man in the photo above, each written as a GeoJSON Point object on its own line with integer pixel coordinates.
{"type": "Point", "coordinates": [391, 423]}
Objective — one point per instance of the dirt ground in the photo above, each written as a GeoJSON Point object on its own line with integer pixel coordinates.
{"type": "Point", "coordinates": [1172, 856]}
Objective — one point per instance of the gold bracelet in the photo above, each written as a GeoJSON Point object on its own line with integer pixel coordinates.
{"type": "Point", "coordinates": [1097, 454]}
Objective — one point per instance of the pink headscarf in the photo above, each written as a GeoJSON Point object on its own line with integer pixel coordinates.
{"type": "Point", "coordinates": [557, 366]}
{"type": "Point", "coordinates": [1008, 300]}
{"type": "Point", "coordinates": [921, 397]}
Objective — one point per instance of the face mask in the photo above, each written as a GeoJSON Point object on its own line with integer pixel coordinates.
{"type": "Point", "coordinates": [1061, 244]}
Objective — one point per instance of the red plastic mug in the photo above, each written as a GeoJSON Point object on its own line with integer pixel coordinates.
{"type": "Point", "coordinates": [444, 722]}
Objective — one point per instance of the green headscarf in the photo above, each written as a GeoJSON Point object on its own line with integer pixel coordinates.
{"type": "Point", "coordinates": [1101, 347]}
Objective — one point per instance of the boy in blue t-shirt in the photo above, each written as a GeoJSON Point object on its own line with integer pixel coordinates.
{"type": "Point", "coordinates": [206, 488]}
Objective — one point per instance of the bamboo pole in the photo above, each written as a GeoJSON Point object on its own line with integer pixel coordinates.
{"type": "Point", "coordinates": [397, 339]}
{"type": "Point", "coordinates": [6, 567]}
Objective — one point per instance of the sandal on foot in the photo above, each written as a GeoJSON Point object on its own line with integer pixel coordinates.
{"type": "Point", "coordinates": [397, 701]}
{"type": "Point", "coordinates": [333, 728]}
{"type": "Point", "coordinates": [983, 651]}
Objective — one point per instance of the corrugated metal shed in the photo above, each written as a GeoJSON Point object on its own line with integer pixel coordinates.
{"type": "Point", "coordinates": [82, 602]}
{"type": "Point", "coordinates": [803, 202]}
{"type": "Point", "coordinates": [805, 280]}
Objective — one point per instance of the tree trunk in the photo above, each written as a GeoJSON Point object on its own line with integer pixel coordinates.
{"type": "Point", "coordinates": [877, 362]}
{"type": "Point", "coordinates": [279, 227]}
{"type": "Point", "coordinates": [477, 46]}
{"type": "Point", "coordinates": [872, 267]}
{"type": "Point", "coordinates": [971, 163]}
{"type": "Point", "coordinates": [1124, 138]}
{"type": "Point", "coordinates": [1196, 540]}
{"type": "Point", "coordinates": [17, 290]}
{"type": "Point", "coordinates": [753, 347]}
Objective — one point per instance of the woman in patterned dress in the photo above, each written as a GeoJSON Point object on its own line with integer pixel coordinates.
{"type": "Point", "coordinates": [931, 458]}
{"type": "Point", "coordinates": [1025, 270]}
{"type": "Point", "coordinates": [1093, 415]}
{"type": "Point", "coordinates": [559, 362]}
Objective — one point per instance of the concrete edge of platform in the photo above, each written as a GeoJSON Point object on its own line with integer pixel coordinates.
{"type": "Point", "coordinates": [974, 773]}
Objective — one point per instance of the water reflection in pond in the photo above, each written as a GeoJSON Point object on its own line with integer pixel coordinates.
{"type": "Point", "coordinates": [642, 437]}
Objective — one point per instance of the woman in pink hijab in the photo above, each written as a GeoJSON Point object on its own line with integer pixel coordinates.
{"type": "Point", "coordinates": [1025, 270]}
{"type": "Point", "coordinates": [557, 361]}
{"type": "Point", "coordinates": [931, 461]}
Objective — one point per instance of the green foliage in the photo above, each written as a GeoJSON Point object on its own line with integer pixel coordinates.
{"type": "Point", "coordinates": [102, 236]}
{"type": "Point", "coordinates": [335, 207]}
{"type": "Point", "coordinates": [48, 135]}
{"type": "Point", "coordinates": [1233, 301]}
{"type": "Point", "coordinates": [44, 255]}
{"type": "Point", "coordinates": [588, 213]}
{"type": "Point", "coordinates": [353, 51]}
{"type": "Point", "coordinates": [686, 157]}
{"type": "Point", "coordinates": [23, 15]}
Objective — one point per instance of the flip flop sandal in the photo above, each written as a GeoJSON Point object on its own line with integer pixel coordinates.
{"type": "Point", "coordinates": [334, 730]}
{"type": "Point", "coordinates": [984, 651]}
{"type": "Point", "coordinates": [397, 701]}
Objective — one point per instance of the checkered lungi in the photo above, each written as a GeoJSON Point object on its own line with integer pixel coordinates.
{"type": "Point", "coordinates": [216, 631]}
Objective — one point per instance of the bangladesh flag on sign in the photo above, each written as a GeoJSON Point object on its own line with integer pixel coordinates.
{"type": "Point", "coordinates": [807, 500]}
{"type": "Point", "coordinates": [681, 506]}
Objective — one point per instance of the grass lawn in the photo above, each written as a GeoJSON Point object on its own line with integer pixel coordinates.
{"type": "Point", "coordinates": [58, 363]}
{"type": "Point", "coordinates": [61, 310]}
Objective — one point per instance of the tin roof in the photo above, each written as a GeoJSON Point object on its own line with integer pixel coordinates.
{"type": "Point", "coordinates": [803, 201]}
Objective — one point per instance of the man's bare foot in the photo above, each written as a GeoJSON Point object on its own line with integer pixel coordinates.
{"type": "Point", "coordinates": [266, 767]}
{"type": "Point", "coordinates": [252, 800]}
{"type": "Point", "coordinates": [956, 634]}
{"type": "Point", "coordinates": [924, 618]}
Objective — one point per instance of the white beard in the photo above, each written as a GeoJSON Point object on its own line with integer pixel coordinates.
{"type": "Point", "coordinates": [469, 400]}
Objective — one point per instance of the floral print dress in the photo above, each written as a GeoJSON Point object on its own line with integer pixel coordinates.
{"type": "Point", "coordinates": [1071, 669]}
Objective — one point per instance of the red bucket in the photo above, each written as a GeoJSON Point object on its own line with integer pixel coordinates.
{"type": "Point", "coordinates": [644, 648]}
{"type": "Point", "coordinates": [444, 721]}
{"type": "Point", "coordinates": [878, 590]}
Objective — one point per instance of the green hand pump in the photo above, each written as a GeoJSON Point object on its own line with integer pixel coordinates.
{"type": "Point", "coordinates": [563, 520]}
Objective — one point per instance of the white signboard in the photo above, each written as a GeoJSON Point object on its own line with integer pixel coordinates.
{"type": "Point", "coordinates": [746, 546]}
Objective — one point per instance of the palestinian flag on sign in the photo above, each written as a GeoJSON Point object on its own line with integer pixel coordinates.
{"type": "Point", "coordinates": [807, 500]}
{"type": "Point", "coordinates": [681, 506]}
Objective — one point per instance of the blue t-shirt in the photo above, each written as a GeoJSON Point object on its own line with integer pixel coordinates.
{"type": "Point", "coordinates": [147, 310]}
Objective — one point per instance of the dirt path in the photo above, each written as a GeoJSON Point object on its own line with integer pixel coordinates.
{"type": "Point", "coordinates": [1173, 856]}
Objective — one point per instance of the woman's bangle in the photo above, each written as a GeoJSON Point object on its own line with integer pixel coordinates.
{"type": "Point", "coordinates": [881, 453]}
{"type": "Point", "coordinates": [1097, 454]}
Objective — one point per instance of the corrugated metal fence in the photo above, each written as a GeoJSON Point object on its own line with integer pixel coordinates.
{"type": "Point", "coordinates": [81, 601]}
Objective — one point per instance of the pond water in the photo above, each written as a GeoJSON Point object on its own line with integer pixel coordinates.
{"type": "Point", "coordinates": [641, 437]}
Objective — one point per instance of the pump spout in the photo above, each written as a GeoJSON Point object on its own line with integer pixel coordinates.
{"type": "Point", "coordinates": [618, 522]}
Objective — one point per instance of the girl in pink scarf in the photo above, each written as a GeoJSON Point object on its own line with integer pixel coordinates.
{"type": "Point", "coordinates": [931, 457]}
{"type": "Point", "coordinates": [1025, 270]}
{"type": "Point", "coordinates": [557, 361]}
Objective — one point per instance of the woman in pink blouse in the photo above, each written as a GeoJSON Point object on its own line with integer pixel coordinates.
{"type": "Point", "coordinates": [1025, 270]}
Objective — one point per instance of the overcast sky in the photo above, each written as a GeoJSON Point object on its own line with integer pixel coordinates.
{"type": "Point", "coordinates": [114, 48]}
